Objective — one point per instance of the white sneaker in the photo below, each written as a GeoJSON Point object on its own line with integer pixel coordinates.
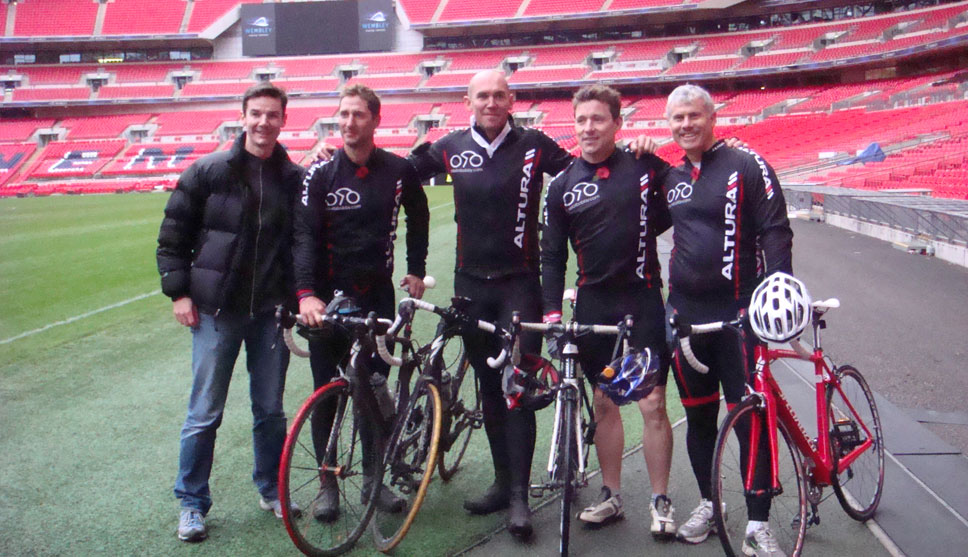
{"type": "Point", "coordinates": [761, 543]}
{"type": "Point", "coordinates": [191, 526]}
{"type": "Point", "coordinates": [663, 526]}
{"type": "Point", "coordinates": [699, 525]}
{"type": "Point", "coordinates": [601, 513]}
{"type": "Point", "coordinates": [276, 507]}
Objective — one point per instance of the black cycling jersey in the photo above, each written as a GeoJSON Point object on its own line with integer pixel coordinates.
{"type": "Point", "coordinates": [497, 190]}
{"type": "Point", "coordinates": [731, 226]}
{"type": "Point", "coordinates": [346, 221]}
{"type": "Point", "coordinates": [611, 212]}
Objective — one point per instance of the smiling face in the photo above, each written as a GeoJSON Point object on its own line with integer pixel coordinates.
{"type": "Point", "coordinates": [356, 123]}
{"type": "Point", "coordinates": [595, 130]}
{"type": "Point", "coordinates": [262, 121]}
{"type": "Point", "coordinates": [692, 127]}
{"type": "Point", "coordinates": [490, 99]}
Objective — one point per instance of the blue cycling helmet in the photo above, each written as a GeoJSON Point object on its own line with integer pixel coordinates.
{"type": "Point", "coordinates": [631, 377]}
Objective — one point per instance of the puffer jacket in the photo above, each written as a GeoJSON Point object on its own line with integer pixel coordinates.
{"type": "Point", "coordinates": [203, 247]}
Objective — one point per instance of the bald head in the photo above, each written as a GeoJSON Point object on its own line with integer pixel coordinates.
{"type": "Point", "coordinates": [490, 99]}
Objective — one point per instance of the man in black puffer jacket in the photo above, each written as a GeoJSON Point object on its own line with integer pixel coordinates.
{"type": "Point", "coordinates": [224, 254]}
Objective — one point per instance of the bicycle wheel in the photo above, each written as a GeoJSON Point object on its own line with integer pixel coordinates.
{"type": "Point", "coordinates": [408, 464]}
{"type": "Point", "coordinates": [853, 420]}
{"type": "Point", "coordinates": [788, 509]}
{"type": "Point", "coordinates": [462, 407]}
{"type": "Point", "coordinates": [334, 460]}
{"type": "Point", "coordinates": [566, 467]}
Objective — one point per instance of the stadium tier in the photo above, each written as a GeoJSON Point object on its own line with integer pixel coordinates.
{"type": "Point", "coordinates": [61, 159]}
{"type": "Point", "coordinates": [101, 127]}
{"type": "Point", "coordinates": [12, 157]}
{"type": "Point", "coordinates": [195, 122]}
{"type": "Point", "coordinates": [49, 18]}
{"type": "Point", "coordinates": [158, 158]}
{"type": "Point", "coordinates": [127, 17]}
{"type": "Point", "coordinates": [549, 7]}
{"type": "Point", "coordinates": [206, 12]}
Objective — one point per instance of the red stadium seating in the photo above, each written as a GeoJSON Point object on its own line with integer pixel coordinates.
{"type": "Point", "coordinates": [419, 11]}
{"type": "Point", "coordinates": [195, 122]}
{"type": "Point", "coordinates": [399, 63]}
{"type": "Point", "coordinates": [607, 75]}
{"type": "Point", "coordinates": [703, 65]}
{"type": "Point", "coordinates": [548, 75]}
{"type": "Point", "coordinates": [561, 55]}
{"type": "Point", "coordinates": [48, 18]}
{"type": "Point", "coordinates": [546, 7]}
{"type": "Point", "coordinates": [202, 89]}
{"type": "Point", "coordinates": [308, 85]}
{"type": "Point", "coordinates": [387, 82]}
{"type": "Point", "coordinates": [51, 94]}
{"type": "Point", "coordinates": [650, 49]}
{"type": "Point", "coordinates": [143, 73]}
{"type": "Point", "coordinates": [617, 5]}
{"type": "Point", "coordinates": [21, 130]}
{"type": "Point", "coordinates": [720, 45]}
{"type": "Point", "coordinates": [478, 59]}
{"type": "Point", "coordinates": [127, 17]}
{"type": "Point", "coordinates": [207, 12]}
{"type": "Point", "coordinates": [51, 75]}
{"type": "Point", "coordinates": [495, 9]}
{"type": "Point", "coordinates": [227, 69]}
{"type": "Point", "coordinates": [308, 67]}
{"type": "Point", "coordinates": [135, 92]}
{"type": "Point", "coordinates": [101, 127]}
{"type": "Point", "coordinates": [769, 60]}
{"type": "Point", "coordinates": [400, 115]}
{"type": "Point", "coordinates": [12, 158]}
{"type": "Point", "coordinates": [158, 158]}
{"type": "Point", "coordinates": [449, 79]}
{"type": "Point", "coordinates": [74, 158]}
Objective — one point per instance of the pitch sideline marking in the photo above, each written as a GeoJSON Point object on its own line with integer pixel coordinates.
{"type": "Point", "coordinates": [79, 317]}
{"type": "Point", "coordinates": [113, 306]}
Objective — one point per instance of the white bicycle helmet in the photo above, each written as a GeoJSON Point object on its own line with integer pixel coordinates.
{"type": "Point", "coordinates": [780, 308]}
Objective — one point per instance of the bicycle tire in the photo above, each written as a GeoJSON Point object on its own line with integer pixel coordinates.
{"type": "Point", "coordinates": [788, 510]}
{"type": "Point", "coordinates": [459, 419]}
{"type": "Point", "coordinates": [566, 469]}
{"type": "Point", "coordinates": [858, 486]}
{"type": "Point", "coordinates": [301, 474]}
{"type": "Point", "coordinates": [408, 464]}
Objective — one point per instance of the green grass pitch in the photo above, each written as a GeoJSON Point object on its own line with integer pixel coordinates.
{"type": "Point", "coordinates": [94, 379]}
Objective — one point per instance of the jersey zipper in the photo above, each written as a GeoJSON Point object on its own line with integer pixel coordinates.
{"type": "Point", "coordinates": [255, 252]}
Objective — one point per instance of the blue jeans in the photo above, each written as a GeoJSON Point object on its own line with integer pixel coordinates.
{"type": "Point", "coordinates": [215, 347]}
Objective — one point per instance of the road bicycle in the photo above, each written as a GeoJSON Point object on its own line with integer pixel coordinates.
{"type": "Point", "coordinates": [573, 430]}
{"type": "Point", "coordinates": [441, 366]}
{"type": "Point", "coordinates": [358, 408]}
{"type": "Point", "coordinates": [783, 461]}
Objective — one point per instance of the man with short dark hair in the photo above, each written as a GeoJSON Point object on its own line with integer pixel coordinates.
{"type": "Point", "coordinates": [346, 222]}
{"type": "Point", "coordinates": [225, 261]}
{"type": "Point", "coordinates": [608, 204]}
{"type": "Point", "coordinates": [731, 229]}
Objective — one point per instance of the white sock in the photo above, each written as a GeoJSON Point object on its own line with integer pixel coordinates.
{"type": "Point", "coordinates": [755, 525]}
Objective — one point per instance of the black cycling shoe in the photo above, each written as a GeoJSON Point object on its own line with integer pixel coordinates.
{"type": "Point", "coordinates": [386, 500]}
{"type": "Point", "coordinates": [519, 517]}
{"type": "Point", "coordinates": [496, 498]}
{"type": "Point", "coordinates": [326, 505]}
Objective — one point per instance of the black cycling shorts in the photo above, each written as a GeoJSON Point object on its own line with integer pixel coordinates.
{"type": "Point", "coordinates": [728, 356]}
{"type": "Point", "coordinates": [606, 305]}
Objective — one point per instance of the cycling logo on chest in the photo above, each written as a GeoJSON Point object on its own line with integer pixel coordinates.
{"type": "Point", "coordinates": [465, 161]}
{"type": "Point", "coordinates": [579, 195]}
{"type": "Point", "coordinates": [343, 199]}
{"type": "Point", "coordinates": [678, 194]}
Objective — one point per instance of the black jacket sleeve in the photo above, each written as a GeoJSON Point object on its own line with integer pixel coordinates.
{"type": "Point", "coordinates": [554, 248]}
{"type": "Point", "coordinates": [308, 223]}
{"type": "Point", "coordinates": [428, 160]}
{"type": "Point", "coordinates": [660, 219]}
{"type": "Point", "coordinates": [555, 159]}
{"type": "Point", "coordinates": [770, 217]}
{"type": "Point", "coordinates": [179, 233]}
{"type": "Point", "coordinates": [414, 202]}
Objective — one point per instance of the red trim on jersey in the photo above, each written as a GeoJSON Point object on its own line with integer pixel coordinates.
{"type": "Point", "coordinates": [691, 402]}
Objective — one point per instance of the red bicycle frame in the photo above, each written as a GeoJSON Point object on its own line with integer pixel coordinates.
{"type": "Point", "coordinates": [776, 407]}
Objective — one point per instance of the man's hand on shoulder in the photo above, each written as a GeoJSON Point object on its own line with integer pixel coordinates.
{"type": "Point", "coordinates": [185, 311]}
{"type": "Point", "coordinates": [324, 152]}
{"type": "Point", "coordinates": [643, 144]}
{"type": "Point", "coordinates": [734, 142]}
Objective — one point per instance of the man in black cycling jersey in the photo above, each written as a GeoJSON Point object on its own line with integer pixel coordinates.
{"type": "Point", "coordinates": [346, 220]}
{"type": "Point", "coordinates": [731, 229]}
{"type": "Point", "coordinates": [497, 171]}
{"type": "Point", "coordinates": [608, 204]}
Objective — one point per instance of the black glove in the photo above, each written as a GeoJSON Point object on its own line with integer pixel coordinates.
{"type": "Point", "coordinates": [554, 343]}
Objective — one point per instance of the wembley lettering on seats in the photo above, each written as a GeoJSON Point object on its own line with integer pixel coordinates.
{"type": "Point", "coordinates": [523, 203]}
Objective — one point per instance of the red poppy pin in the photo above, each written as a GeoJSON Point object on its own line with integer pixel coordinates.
{"type": "Point", "coordinates": [602, 172]}
{"type": "Point", "coordinates": [362, 171]}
